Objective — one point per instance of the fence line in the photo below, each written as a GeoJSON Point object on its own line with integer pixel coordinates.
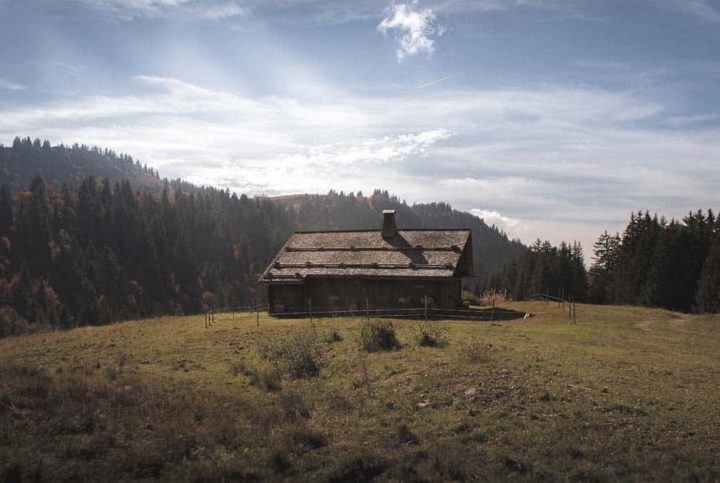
{"type": "Point", "coordinates": [256, 309]}
{"type": "Point", "coordinates": [429, 313]}
{"type": "Point", "coordinates": [562, 300]}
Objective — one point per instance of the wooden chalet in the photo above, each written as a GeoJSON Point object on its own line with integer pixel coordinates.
{"type": "Point", "coordinates": [327, 271]}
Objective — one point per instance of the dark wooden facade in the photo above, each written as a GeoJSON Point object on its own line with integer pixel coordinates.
{"type": "Point", "coordinates": [357, 270]}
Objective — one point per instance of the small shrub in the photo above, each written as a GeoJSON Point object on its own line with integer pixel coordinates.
{"type": "Point", "coordinates": [477, 352]}
{"type": "Point", "coordinates": [378, 335]}
{"type": "Point", "coordinates": [280, 460]}
{"type": "Point", "coordinates": [362, 467]}
{"type": "Point", "coordinates": [332, 335]}
{"type": "Point", "coordinates": [298, 355]}
{"type": "Point", "coordinates": [228, 438]}
{"type": "Point", "coordinates": [294, 406]}
{"type": "Point", "coordinates": [271, 380]}
{"type": "Point", "coordinates": [309, 438]}
{"type": "Point", "coordinates": [265, 378]}
{"type": "Point", "coordinates": [430, 335]}
{"type": "Point", "coordinates": [404, 435]}
{"type": "Point", "coordinates": [111, 373]}
{"type": "Point", "coordinates": [87, 423]}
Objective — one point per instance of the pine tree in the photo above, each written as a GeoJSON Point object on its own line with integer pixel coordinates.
{"type": "Point", "coordinates": [707, 296]}
{"type": "Point", "coordinates": [6, 211]}
{"type": "Point", "coordinates": [32, 239]}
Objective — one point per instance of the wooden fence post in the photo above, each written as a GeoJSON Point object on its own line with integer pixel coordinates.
{"type": "Point", "coordinates": [311, 316]}
{"type": "Point", "coordinates": [574, 312]}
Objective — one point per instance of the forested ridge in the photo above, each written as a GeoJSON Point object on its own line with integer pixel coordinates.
{"type": "Point", "coordinates": [92, 250]}
{"type": "Point", "coordinates": [671, 264]}
{"type": "Point", "coordinates": [28, 158]}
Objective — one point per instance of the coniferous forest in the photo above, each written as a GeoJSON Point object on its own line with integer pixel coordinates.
{"type": "Point", "coordinates": [90, 250]}
{"type": "Point", "coordinates": [86, 250]}
{"type": "Point", "coordinates": [655, 263]}
{"type": "Point", "coordinates": [544, 270]}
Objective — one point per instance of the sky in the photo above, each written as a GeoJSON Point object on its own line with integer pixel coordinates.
{"type": "Point", "coordinates": [550, 119]}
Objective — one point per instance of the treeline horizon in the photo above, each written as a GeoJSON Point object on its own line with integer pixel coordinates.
{"type": "Point", "coordinates": [87, 250]}
{"type": "Point", "coordinates": [97, 251]}
{"type": "Point", "coordinates": [671, 264]}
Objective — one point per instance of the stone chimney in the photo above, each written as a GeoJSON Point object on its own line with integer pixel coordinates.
{"type": "Point", "coordinates": [389, 228]}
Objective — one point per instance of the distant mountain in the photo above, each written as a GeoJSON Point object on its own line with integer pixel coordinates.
{"type": "Point", "coordinates": [57, 165]}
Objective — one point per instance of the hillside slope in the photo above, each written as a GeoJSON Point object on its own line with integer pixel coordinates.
{"type": "Point", "coordinates": [626, 394]}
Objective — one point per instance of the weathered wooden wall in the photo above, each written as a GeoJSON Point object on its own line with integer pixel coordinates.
{"type": "Point", "coordinates": [329, 294]}
{"type": "Point", "coordinates": [285, 297]}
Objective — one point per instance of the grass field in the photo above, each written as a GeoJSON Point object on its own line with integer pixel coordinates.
{"type": "Point", "coordinates": [626, 393]}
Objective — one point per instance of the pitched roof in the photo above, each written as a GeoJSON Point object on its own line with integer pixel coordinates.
{"type": "Point", "coordinates": [410, 253]}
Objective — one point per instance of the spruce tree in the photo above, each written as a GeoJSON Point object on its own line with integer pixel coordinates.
{"type": "Point", "coordinates": [6, 211]}
{"type": "Point", "coordinates": [707, 296]}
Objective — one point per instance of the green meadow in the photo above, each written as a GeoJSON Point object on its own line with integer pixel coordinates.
{"type": "Point", "coordinates": [625, 393]}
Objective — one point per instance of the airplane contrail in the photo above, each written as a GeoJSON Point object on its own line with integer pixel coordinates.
{"type": "Point", "coordinates": [437, 81]}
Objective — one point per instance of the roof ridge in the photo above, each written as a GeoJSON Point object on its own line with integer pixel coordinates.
{"type": "Point", "coordinates": [379, 231]}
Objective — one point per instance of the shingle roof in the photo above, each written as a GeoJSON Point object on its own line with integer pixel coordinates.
{"type": "Point", "coordinates": [411, 253]}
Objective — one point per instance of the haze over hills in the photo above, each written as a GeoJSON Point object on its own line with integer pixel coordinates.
{"type": "Point", "coordinates": [97, 237]}
{"type": "Point", "coordinates": [26, 159]}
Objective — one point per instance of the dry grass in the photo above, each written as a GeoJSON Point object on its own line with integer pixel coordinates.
{"type": "Point", "coordinates": [625, 394]}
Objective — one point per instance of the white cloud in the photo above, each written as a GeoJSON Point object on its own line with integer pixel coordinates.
{"type": "Point", "coordinates": [12, 86]}
{"type": "Point", "coordinates": [492, 217]}
{"type": "Point", "coordinates": [377, 151]}
{"type": "Point", "coordinates": [220, 10]}
{"type": "Point", "coordinates": [701, 9]}
{"type": "Point", "coordinates": [189, 9]}
{"type": "Point", "coordinates": [530, 155]}
{"type": "Point", "coordinates": [415, 27]}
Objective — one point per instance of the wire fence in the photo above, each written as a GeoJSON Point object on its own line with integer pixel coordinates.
{"type": "Point", "coordinates": [492, 313]}
{"type": "Point", "coordinates": [416, 313]}
{"type": "Point", "coordinates": [562, 301]}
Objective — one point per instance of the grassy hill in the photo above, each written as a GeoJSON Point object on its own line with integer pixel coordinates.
{"type": "Point", "coordinates": [626, 393]}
